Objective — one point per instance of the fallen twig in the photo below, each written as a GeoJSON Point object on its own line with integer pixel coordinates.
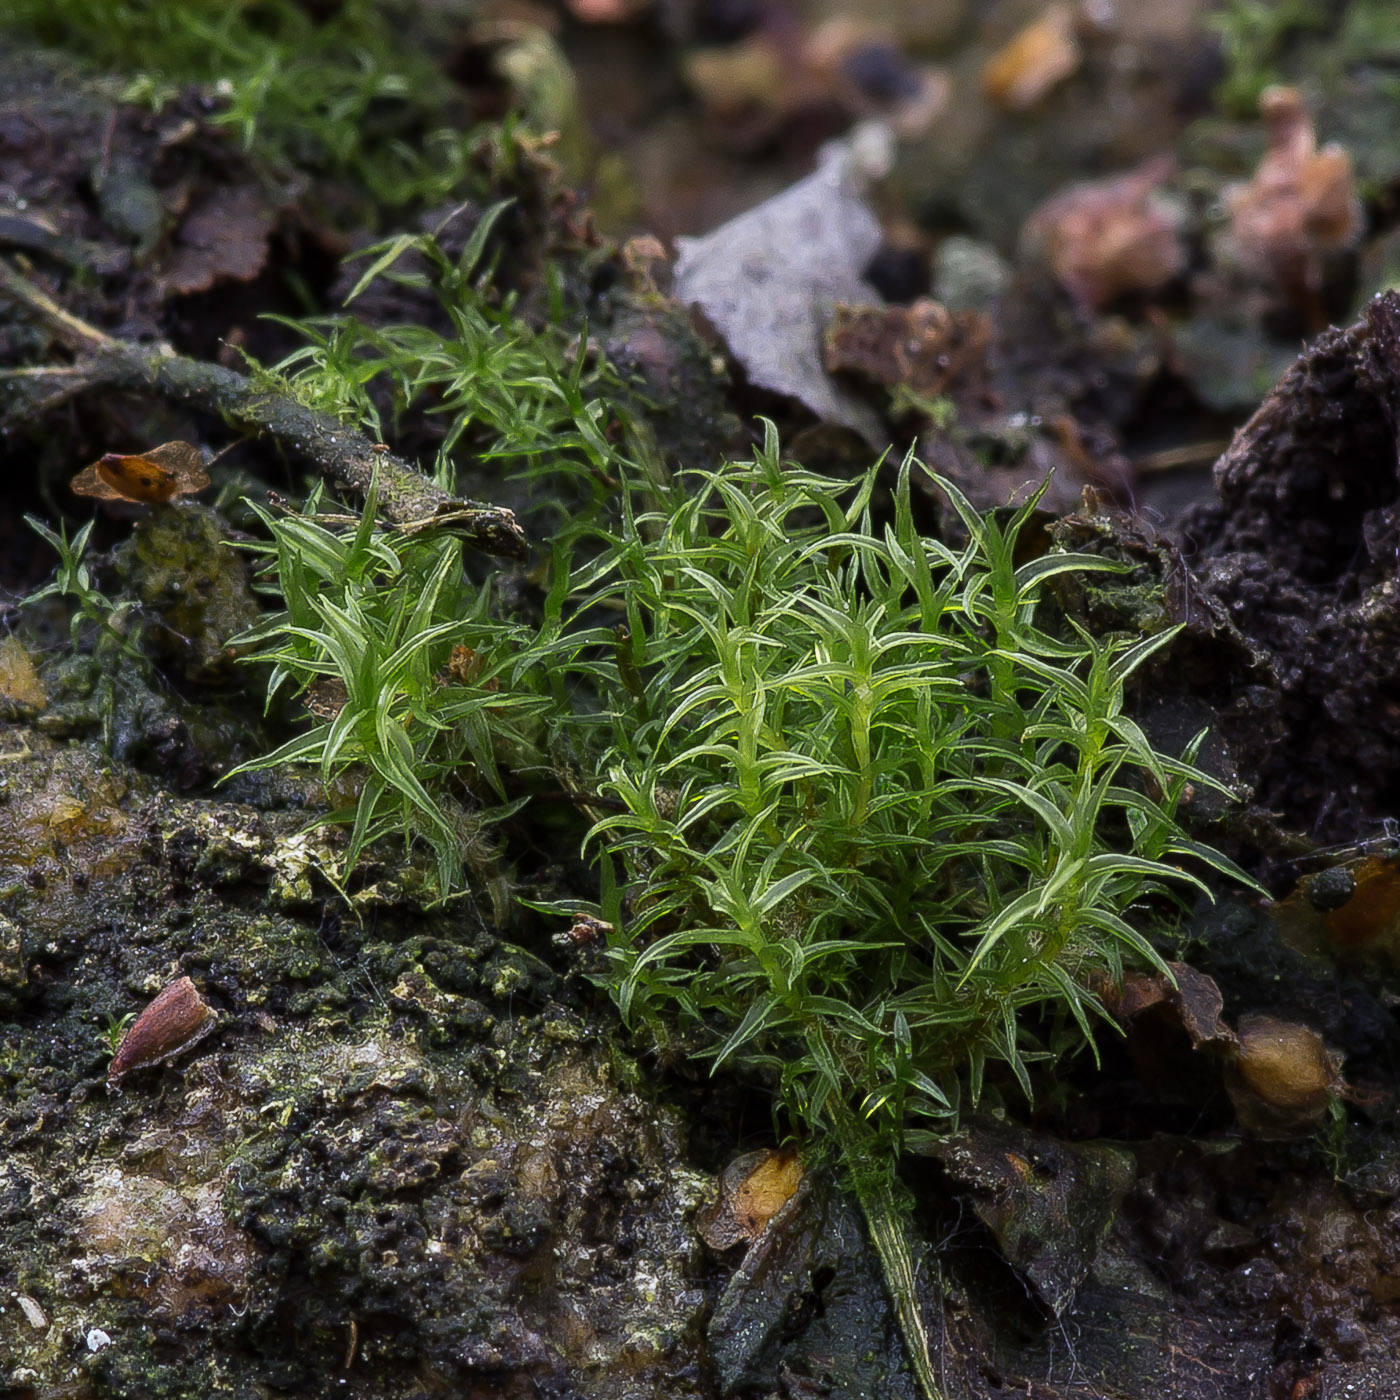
{"type": "Point", "coordinates": [407, 498]}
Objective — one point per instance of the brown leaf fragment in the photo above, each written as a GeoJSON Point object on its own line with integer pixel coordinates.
{"type": "Point", "coordinates": [1194, 1003]}
{"type": "Point", "coordinates": [586, 929]}
{"type": "Point", "coordinates": [464, 666]}
{"type": "Point", "coordinates": [752, 1189]}
{"type": "Point", "coordinates": [924, 347]}
{"type": "Point", "coordinates": [176, 1020]}
{"type": "Point", "coordinates": [1300, 205]}
{"type": "Point", "coordinates": [1105, 239]}
{"type": "Point", "coordinates": [224, 238]}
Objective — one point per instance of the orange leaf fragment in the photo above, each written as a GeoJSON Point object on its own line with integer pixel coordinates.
{"type": "Point", "coordinates": [1035, 61]}
{"type": "Point", "coordinates": [150, 478]}
{"type": "Point", "coordinates": [1347, 908]}
{"type": "Point", "coordinates": [752, 1190]}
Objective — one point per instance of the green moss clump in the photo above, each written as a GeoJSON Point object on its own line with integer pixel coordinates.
{"type": "Point", "coordinates": [350, 92]}
{"type": "Point", "coordinates": [178, 566]}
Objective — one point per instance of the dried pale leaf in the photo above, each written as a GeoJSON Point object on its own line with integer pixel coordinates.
{"type": "Point", "coordinates": [21, 691]}
{"type": "Point", "coordinates": [34, 1315]}
{"type": "Point", "coordinates": [770, 280]}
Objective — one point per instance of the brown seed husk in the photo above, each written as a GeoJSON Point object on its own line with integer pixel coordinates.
{"type": "Point", "coordinates": [1283, 1079]}
{"type": "Point", "coordinates": [176, 1020]}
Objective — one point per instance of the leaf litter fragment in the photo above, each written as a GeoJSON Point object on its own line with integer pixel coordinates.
{"type": "Point", "coordinates": [149, 478]}
{"type": "Point", "coordinates": [770, 280]}
{"type": "Point", "coordinates": [752, 1189]}
{"type": "Point", "coordinates": [224, 238]}
{"type": "Point", "coordinates": [1035, 61]}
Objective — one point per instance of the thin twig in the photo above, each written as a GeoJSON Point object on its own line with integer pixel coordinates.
{"type": "Point", "coordinates": [1173, 459]}
{"type": "Point", "coordinates": [71, 332]}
